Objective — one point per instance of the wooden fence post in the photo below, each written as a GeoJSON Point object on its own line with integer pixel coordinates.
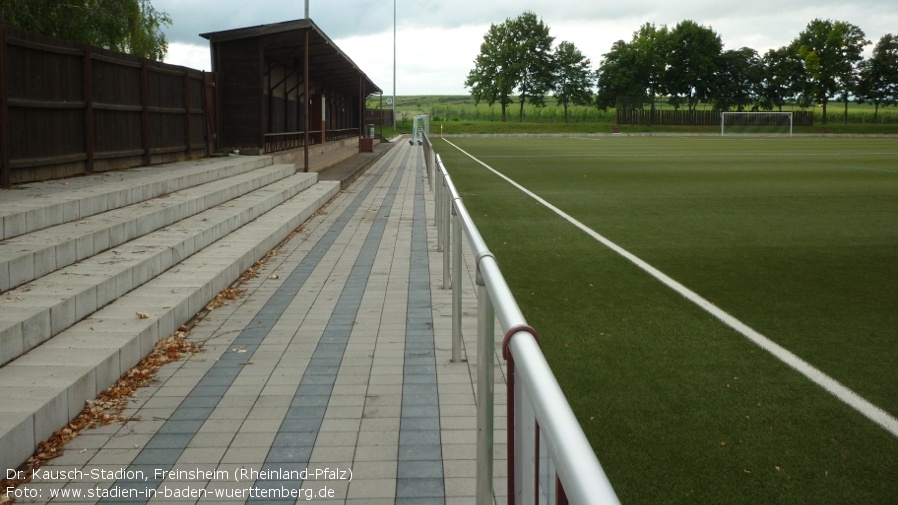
{"type": "Point", "coordinates": [145, 103]}
{"type": "Point", "coordinates": [188, 138]}
{"type": "Point", "coordinates": [89, 134]}
{"type": "Point", "coordinates": [211, 108]}
{"type": "Point", "coordinates": [5, 171]}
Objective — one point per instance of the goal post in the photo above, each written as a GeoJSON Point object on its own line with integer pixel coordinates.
{"type": "Point", "coordinates": [756, 122]}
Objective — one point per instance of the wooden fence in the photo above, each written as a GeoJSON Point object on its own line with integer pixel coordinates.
{"type": "Point", "coordinates": [693, 117]}
{"type": "Point", "coordinates": [68, 108]}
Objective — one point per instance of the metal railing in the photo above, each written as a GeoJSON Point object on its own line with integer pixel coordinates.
{"type": "Point", "coordinates": [549, 458]}
{"type": "Point", "coordinates": [292, 140]}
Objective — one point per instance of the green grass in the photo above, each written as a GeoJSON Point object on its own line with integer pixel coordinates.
{"type": "Point", "coordinates": [795, 237]}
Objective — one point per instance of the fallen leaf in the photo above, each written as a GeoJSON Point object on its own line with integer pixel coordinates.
{"type": "Point", "coordinates": [142, 315]}
{"type": "Point", "coordinates": [274, 276]}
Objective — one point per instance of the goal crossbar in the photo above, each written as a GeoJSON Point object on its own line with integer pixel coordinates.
{"type": "Point", "coordinates": [762, 119]}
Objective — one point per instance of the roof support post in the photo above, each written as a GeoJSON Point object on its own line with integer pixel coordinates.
{"type": "Point", "coordinates": [305, 109]}
{"type": "Point", "coordinates": [5, 171]}
{"type": "Point", "coordinates": [361, 109]}
{"type": "Point", "coordinates": [264, 103]}
{"type": "Point", "coordinates": [286, 99]}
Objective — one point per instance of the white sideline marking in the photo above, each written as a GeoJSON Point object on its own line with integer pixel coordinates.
{"type": "Point", "coordinates": [674, 155]}
{"type": "Point", "coordinates": [870, 411]}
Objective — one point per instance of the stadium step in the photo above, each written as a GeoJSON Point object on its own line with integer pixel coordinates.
{"type": "Point", "coordinates": [33, 207]}
{"type": "Point", "coordinates": [72, 330]}
{"type": "Point", "coordinates": [33, 255]}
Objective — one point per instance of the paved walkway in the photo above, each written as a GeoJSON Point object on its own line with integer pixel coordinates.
{"type": "Point", "coordinates": [330, 378]}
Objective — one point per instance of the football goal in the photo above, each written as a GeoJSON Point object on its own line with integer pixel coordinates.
{"type": "Point", "coordinates": [756, 122]}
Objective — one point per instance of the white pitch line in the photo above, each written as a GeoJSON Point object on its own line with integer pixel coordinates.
{"type": "Point", "coordinates": [870, 411]}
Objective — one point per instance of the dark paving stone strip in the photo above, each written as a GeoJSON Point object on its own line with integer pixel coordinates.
{"type": "Point", "coordinates": [419, 478]}
{"type": "Point", "coordinates": [186, 421]}
{"type": "Point", "coordinates": [292, 446]}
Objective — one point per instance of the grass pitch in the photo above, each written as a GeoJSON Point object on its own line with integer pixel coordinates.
{"type": "Point", "coordinates": [797, 238]}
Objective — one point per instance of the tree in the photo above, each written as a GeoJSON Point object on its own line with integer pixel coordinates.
{"type": "Point", "coordinates": [738, 75]}
{"type": "Point", "coordinates": [694, 53]}
{"type": "Point", "coordinates": [781, 77]}
{"type": "Point", "coordinates": [617, 78]}
{"type": "Point", "coordinates": [532, 59]}
{"type": "Point", "coordinates": [131, 26]}
{"type": "Point", "coordinates": [633, 74]}
{"type": "Point", "coordinates": [830, 51]}
{"type": "Point", "coordinates": [493, 77]}
{"type": "Point", "coordinates": [572, 76]}
{"type": "Point", "coordinates": [651, 45]}
{"type": "Point", "coordinates": [879, 75]}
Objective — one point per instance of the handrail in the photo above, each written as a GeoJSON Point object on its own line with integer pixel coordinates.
{"type": "Point", "coordinates": [534, 392]}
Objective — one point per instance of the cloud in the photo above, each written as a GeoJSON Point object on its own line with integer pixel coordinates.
{"type": "Point", "coordinates": [345, 18]}
{"type": "Point", "coordinates": [438, 40]}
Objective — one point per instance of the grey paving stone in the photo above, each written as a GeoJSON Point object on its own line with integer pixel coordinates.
{"type": "Point", "coordinates": [408, 437]}
{"type": "Point", "coordinates": [156, 456]}
{"type": "Point", "coordinates": [289, 454]}
{"type": "Point", "coordinates": [419, 452]}
{"type": "Point", "coordinates": [419, 488]}
{"type": "Point", "coordinates": [295, 439]}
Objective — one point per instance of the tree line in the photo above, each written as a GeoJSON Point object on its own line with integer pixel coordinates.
{"type": "Point", "coordinates": [129, 26]}
{"type": "Point", "coordinates": [688, 65]}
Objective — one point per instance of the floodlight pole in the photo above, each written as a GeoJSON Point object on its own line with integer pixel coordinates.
{"type": "Point", "coordinates": [307, 9]}
{"type": "Point", "coordinates": [394, 64]}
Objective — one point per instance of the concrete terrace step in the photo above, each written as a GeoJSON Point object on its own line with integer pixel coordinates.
{"type": "Point", "coordinates": [34, 312]}
{"type": "Point", "coordinates": [33, 255]}
{"type": "Point", "coordinates": [39, 205]}
{"type": "Point", "coordinates": [48, 386]}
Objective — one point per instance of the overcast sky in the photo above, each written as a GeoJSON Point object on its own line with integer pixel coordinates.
{"type": "Point", "coordinates": [437, 41]}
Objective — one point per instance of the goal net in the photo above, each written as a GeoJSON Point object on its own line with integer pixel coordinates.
{"type": "Point", "coordinates": [770, 123]}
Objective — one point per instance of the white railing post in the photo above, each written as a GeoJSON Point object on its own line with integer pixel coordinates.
{"type": "Point", "coordinates": [432, 166]}
{"type": "Point", "coordinates": [420, 161]}
{"type": "Point", "coordinates": [456, 285]}
{"type": "Point", "coordinates": [425, 157]}
{"type": "Point", "coordinates": [438, 210]}
{"type": "Point", "coordinates": [486, 347]}
{"type": "Point", "coordinates": [447, 251]}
